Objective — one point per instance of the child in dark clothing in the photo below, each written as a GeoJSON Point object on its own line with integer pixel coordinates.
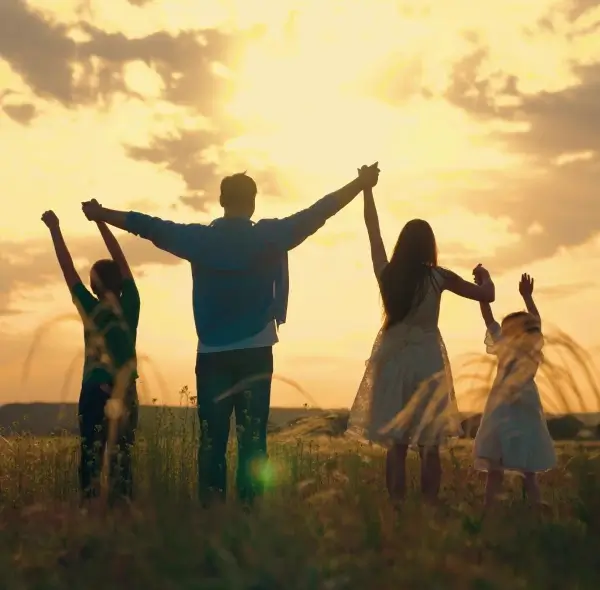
{"type": "Point", "coordinates": [110, 314]}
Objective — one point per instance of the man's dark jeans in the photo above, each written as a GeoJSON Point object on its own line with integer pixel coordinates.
{"type": "Point", "coordinates": [243, 377]}
{"type": "Point", "coordinates": [93, 429]}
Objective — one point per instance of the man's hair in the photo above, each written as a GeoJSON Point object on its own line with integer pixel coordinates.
{"type": "Point", "coordinates": [106, 278]}
{"type": "Point", "coordinates": [237, 190]}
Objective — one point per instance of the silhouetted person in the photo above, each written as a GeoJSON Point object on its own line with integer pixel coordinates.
{"type": "Point", "coordinates": [240, 294]}
{"type": "Point", "coordinates": [513, 434]}
{"type": "Point", "coordinates": [110, 315]}
{"type": "Point", "coordinates": [406, 396]}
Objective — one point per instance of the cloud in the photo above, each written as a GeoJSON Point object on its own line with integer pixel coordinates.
{"type": "Point", "coordinates": [185, 154]}
{"type": "Point", "coordinates": [566, 290]}
{"type": "Point", "coordinates": [87, 70]}
{"type": "Point", "coordinates": [575, 9]}
{"type": "Point", "coordinates": [40, 51]}
{"type": "Point", "coordinates": [554, 132]}
{"type": "Point", "coordinates": [481, 96]}
{"type": "Point", "coordinates": [32, 264]}
{"type": "Point", "coordinates": [78, 63]}
{"type": "Point", "coordinates": [21, 113]}
{"type": "Point", "coordinates": [192, 65]}
{"type": "Point", "coordinates": [198, 156]}
{"type": "Point", "coordinates": [557, 187]}
{"type": "Point", "coordinates": [185, 62]}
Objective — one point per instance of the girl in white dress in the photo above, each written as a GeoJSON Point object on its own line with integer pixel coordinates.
{"type": "Point", "coordinates": [513, 435]}
{"type": "Point", "coordinates": [406, 396]}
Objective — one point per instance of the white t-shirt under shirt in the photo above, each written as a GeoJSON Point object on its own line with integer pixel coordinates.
{"type": "Point", "coordinates": [266, 337]}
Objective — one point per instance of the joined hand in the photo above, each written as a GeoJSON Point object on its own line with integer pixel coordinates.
{"type": "Point", "coordinates": [91, 209]}
{"type": "Point", "coordinates": [480, 274]}
{"type": "Point", "coordinates": [369, 175]}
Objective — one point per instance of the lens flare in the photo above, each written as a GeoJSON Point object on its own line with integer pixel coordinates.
{"type": "Point", "coordinates": [265, 474]}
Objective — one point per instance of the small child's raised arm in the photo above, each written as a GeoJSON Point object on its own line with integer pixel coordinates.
{"type": "Point", "coordinates": [485, 307]}
{"type": "Point", "coordinates": [114, 249]}
{"type": "Point", "coordinates": [487, 314]}
{"type": "Point", "coordinates": [526, 290]}
{"type": "Point", "coordinates": [63, 255]}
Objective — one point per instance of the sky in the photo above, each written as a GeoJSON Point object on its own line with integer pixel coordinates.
{"type": "Point", "coordinates": [485, 122]}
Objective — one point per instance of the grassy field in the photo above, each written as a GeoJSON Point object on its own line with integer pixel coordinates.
{"type": "Point", "coordinates": [325, 524]}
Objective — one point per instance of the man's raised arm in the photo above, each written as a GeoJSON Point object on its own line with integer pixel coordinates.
{"type": "Point", "coordinates": [180, 239]}
{"type": "Point", "coordinates": [291, 231]}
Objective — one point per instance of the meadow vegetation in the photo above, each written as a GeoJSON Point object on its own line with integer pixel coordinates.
{"type": "Point", "coordinates": [325, 523]}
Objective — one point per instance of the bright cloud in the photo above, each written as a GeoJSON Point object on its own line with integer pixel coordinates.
{"type": "Point", "coordinates": [484, 118]}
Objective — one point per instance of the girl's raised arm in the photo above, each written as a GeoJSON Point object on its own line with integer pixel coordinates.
{"type": "Point", "coordinates": [526, 291]}
{"type": "Point", "coordinates": [62, 252]}
{"type": "Point", "coordinates": [378, 255]}
{"type": "Point", "coordinates": [487, 314]}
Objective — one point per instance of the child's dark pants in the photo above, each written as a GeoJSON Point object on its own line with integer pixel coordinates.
{"type": "Point", "coordinates": [93, 429]}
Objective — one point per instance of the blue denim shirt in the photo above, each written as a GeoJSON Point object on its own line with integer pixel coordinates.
{"type": "Point", "coordinates": [239, 268]}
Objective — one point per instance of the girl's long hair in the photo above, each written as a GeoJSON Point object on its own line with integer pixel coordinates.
{"type": "Point", "coordinates": [405, 279]}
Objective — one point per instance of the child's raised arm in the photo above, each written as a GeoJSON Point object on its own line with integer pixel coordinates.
{"type": "Point", "coordinates": [487, 314]}
{"type": "Point", "coordinates": [484, 306]}
{"type": "Point", "coordinates": [60, 247]}
{"type": "Point", "coordinates": [526, 290]}
{"type": "Point", "coordinates": [378, 255]}
{"type": "Point", "coordinates": [115, 250]}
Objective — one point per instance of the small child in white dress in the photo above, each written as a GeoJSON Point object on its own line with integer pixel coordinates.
{"type": "Point", "coordinates": [406, 396]}
{"type": "Point", "coordinates": [513, 435]}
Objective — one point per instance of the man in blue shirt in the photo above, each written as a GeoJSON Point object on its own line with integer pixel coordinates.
{"type": "Point", "coordinates": [240, 290]}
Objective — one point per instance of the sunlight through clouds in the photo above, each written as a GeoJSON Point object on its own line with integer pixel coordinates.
{"type": "Point", "coordinates": [143, 80]}
{"type": "Point", "coordinates": [478, 233]}
{"type": "Point", "coordinates": [63, 169]}
{"type": "Point", "coordinates": [172, 16]}
{"type": "Point", "coordinates": [483, 117]}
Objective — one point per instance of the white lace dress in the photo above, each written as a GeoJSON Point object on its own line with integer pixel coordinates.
{"type": "Point", "coordinates": [407, 392]}
{"type": "Point", "coordinates": [513, 434]}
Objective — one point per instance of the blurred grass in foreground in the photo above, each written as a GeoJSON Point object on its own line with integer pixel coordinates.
{"type": "Point", "coordinates": [324, 524]}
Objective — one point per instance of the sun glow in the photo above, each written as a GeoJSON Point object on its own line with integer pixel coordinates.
{"type": "Point", "coordinates": [299, 99]}
{"type": "Point", "coordinates": [324, 93]}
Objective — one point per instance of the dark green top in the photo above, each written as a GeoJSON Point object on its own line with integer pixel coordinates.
{"type": "Point", "coordinates": [109, 334]}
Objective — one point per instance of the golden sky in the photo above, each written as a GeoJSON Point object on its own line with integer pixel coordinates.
{"type": "Point", "coordinates": [485, 120]}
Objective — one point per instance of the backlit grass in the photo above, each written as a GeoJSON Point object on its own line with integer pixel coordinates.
{"type": "Point", "coordinates": [324, 524]}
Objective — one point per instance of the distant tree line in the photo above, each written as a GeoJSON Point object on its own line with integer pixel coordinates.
{"type": "Point", "coordinates": [39, 419]}
{"type": "Point", "coordinates": [567, 427]}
